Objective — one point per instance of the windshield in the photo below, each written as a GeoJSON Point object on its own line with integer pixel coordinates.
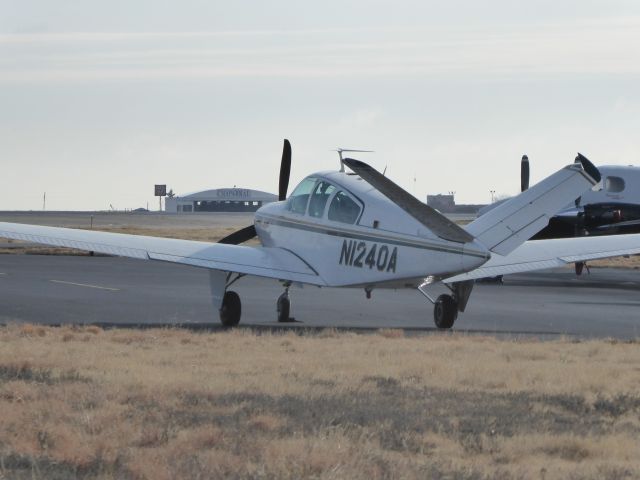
{"type": "Point", "coordinates": [321, 194]}
{"type": "Point", "coordinates": [297, 202]}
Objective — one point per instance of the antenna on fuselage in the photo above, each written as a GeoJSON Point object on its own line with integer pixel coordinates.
{"type": "Point", "coordinates": [341, 150]}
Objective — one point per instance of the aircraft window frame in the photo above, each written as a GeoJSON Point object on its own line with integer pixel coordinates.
{"type": "Point", "coordinates": [314, 212]}
{"type": "Point", "coordinates": [613, 184]}
{"type": "Point", "coordinates": [356, 201]}
{"type": "Point", "coordinates": [294, 205]}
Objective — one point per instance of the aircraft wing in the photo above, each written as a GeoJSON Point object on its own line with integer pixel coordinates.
{"type": "Point", "coordinates": [542, 254]}
{"type": "Point", "coordinates": [269, 262]}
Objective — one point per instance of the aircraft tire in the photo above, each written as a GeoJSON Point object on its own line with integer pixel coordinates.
{"type": "Point", "coordinates": [231, 309]}
{"type": "Point", "coordinates": [283, 306]}
{"type": "Point", "coordinates": [445, 311]}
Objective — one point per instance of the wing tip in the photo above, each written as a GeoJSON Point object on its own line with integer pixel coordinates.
{"type": "Point", "coordinates": [589, 167]}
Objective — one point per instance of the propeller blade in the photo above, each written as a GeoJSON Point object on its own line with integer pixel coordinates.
{"type": "Point", "coordinates": [285, 170]}
{"type": "Point", "coordinates": [240, 236]}
{"type": "Point", "coordinates": [524, 173]}
{"type": "Point", "coordinates": [434, 221]}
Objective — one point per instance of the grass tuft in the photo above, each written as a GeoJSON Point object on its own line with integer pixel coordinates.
{"type": "Point", "coordinates": [391, 332]}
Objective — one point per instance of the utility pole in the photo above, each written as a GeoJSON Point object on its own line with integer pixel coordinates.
{"type": "Point", "coordinates": [44, 201]}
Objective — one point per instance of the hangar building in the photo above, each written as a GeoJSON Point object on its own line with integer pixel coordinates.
{"type": "Point", "coordinates": [220, 200]}
{"type": "Point", "coordinates": [447, 204]}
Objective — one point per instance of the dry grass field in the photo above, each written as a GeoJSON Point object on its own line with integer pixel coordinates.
{"type": "Point", "coordinates": [87, 403]}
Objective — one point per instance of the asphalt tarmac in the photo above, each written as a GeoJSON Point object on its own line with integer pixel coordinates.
{"type": "Point", "coordinates": [46, 289]}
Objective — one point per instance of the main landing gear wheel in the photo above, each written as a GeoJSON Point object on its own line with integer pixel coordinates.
{"type": "Point", "coordinates": [231, 309]}
{"type": "Point", "coordinates": [283, 306]}
{"type": "Point", "coordinates": [445, 311]}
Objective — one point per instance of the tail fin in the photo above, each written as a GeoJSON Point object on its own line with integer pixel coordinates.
{"type": "Point", "coordinates": [507, 226]}
{"type": "Point", "coordinates": [434, 221]}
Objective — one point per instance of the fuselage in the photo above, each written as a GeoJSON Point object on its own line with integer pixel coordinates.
{"type": "Point", "coordinates": [612, 208]}
{"type": "Point", "coordinates": [620, 184]}
{"type": "Point", "coordinates": [352, 235]}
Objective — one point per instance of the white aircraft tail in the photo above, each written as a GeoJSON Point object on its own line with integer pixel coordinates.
{"type": "Point", "coordinates": [509, 225]}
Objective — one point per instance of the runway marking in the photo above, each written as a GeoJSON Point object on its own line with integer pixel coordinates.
{"type": "Point", "coordinates": [85, 285]}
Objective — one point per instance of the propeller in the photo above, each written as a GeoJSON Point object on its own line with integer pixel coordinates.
{"type": "Point", "coordinates": [240, 236]}
{"type": "Point", "coordinates": [247, 233]}
{"type": "Point", "coordinates": [524, 173]}
{"type": "Point", "coordinates": [285, 170]}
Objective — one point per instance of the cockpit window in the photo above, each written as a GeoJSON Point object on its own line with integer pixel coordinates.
{"type": "Point", "coordinates": [614, 184]}
{"type": "Point", "coordinates": [343, 209]}
{"type": "Point", "coordinates": [298, 200]}
{"type": "Point", "coordinates": [319, 197]}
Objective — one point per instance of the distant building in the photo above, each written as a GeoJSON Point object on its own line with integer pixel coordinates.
{"type": "Point", "coordinates": [220, 200]}
{"type": "Point", "coordinates": [447, 204]}
{"type": "Point", "coordinates": [442, 203]}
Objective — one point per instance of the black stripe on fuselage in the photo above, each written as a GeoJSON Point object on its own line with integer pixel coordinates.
{"type": "Point", "coordinates": [326, 230]}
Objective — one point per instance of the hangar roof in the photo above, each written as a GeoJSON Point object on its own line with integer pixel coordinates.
{"type": "Point", "coordinates": [223, 194]}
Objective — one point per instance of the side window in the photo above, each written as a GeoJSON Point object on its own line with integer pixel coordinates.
{"type": "Point", "coordinates": [297, 202]}
{"type": "Point", "coordinates": [319, 198]}
{"type": "Point", "coordinates": [343, 209]}
{"type": "Point", "coordinates": [614, 184]}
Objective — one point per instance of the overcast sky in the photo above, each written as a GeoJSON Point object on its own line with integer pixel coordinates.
{"type": "Point", "coordinates": [100, 100]}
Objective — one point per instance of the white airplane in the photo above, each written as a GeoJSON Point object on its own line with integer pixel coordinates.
{"type": "Point", "coordinates": [359, 229]}
{"type": "Point", "coordinates": [610, 210]}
